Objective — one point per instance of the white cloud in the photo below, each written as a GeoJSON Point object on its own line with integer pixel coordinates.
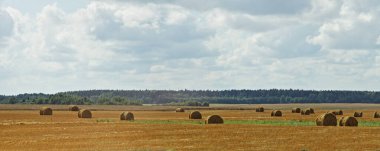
{"type": "Point", "coordinates": [349, 56]}
{"type": "Point", "coordinates": [177, 44]}
{"type": "Point", "coordinates": [353, 28]}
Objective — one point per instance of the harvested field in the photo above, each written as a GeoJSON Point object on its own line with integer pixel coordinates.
{"type": "Point", "coordinates": [124, 136]}
{"type": "Point", "coordinates": [150, 107]}
{"type": "Point", "coordinates": [167, 130]}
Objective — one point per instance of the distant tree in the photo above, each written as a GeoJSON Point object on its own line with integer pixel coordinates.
{"type": "Point", "coordinates": [205, 104]}
{"type": "Point", "coordinates": [12, 100]}
{"type": "Point", "coordinates": [195, 97]}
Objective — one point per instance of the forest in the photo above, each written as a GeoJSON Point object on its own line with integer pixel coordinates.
{"type": "Point", "coordinates": [194, 97]}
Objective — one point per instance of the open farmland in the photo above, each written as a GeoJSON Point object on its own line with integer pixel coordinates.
{"type": "Point", "coordinates": [160, 128]}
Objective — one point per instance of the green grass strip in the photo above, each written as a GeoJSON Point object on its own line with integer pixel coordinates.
{"type": "Point", "coordinates": [276, 123]}
{"type": "Point", "coordinates": [167, 122]}
{"type": "Point", "coordinates": [369, 123]}
{"type": "Point", "coordinates": [252, 122]}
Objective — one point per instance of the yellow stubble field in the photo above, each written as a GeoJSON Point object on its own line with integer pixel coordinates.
{"type": "Point", "coordinates": [160, 128]}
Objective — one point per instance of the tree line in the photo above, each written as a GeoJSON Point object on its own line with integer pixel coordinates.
{"type": "Point", "coordinates": [139, 97]}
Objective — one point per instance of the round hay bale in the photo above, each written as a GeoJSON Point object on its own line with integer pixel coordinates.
{"type": "Point", "coordinates": [84, 113]}
{"type": "Point", "coordinates": [305, 112]}
{"type": "Point", "coordinates": [46, 111]}
{"type": "Point", "coordinates": [358, 114]}
{"type": "Point", "coordinates": [73, 108]}
{"type": "Point", "coordinates": [127, 116]}
{"type": "Point", "coordinates": [214, 119]}
{"type": "Point", "coordinates": [195, 115]}
{"type": "Point", "coordinates": [348, 121]}
{"type": "Point", "coordinates": [333, 112]}
{"type": "Point", "coordinates": [260, 109]}
{"type": "Point", "coordinates": [376, 115]}
{"type": "Point", "coordinates": [311, 110]}
{"type": "Point", "coordinates": [296, 110]}
{"type": "Point", "coordinates": [276, 113]}
{"type": "Point", "coordinates": [340, 112]}
{"type": "Point", "coordinates": [327, 119]}
{"type": "Point", "coordinates": [179, 110]}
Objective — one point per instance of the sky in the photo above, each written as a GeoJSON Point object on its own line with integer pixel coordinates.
{"type": "Point", "coordinates": [52, 46]}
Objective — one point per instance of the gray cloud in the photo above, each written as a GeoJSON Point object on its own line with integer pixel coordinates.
{"type": "Point", "coordinates": [256, 7]}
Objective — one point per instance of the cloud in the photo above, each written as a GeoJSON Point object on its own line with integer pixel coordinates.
{"type": "Point", "coordinates": [258, 7]}
{"type": "Point", "coordinates": [177, 44]}
{"type": "Point", "coordinates": [353, 28]}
